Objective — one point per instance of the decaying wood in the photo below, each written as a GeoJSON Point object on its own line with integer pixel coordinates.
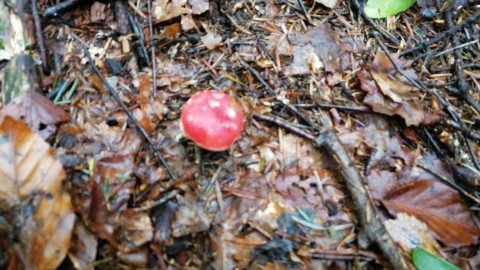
{"type": "Point", "coordinates": [20, 74]}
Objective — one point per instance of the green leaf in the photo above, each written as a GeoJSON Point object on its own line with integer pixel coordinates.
{"type": "Point", "coordinates": [384, 8]}
{"type": "Point", "coordinates": [424, 260]}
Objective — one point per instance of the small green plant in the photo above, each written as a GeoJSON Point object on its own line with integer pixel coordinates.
{"type": "Point", "coordinates": [384, 8]}
{"type": "Point", "coordinates": [424, 260]}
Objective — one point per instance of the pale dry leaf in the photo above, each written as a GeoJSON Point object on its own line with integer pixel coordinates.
{"type": "Point", "coordinates": [83, 250]}
{"type": "Point", "coordinates": [199, 6]}
{"type": "Point", "coordinates": [211, 41]}
{"type": "Point", "coordinates": [33, 198]}
{"type": "Point", "coordinates": [328, 3]}
{"type": "Point", "coordinates": [395, 88]}
{"type": "Point", "coordinates": [409, 232]}
{"type": "Point", "coordinates": [164, 10]}
{"type": "Point", "coordinates": [39, 113]}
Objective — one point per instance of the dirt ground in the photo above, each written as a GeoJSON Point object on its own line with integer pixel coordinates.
{"type": "Point", "coordinates": [360, 141]}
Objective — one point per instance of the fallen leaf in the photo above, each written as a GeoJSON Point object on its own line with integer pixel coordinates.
{"type": "Point", "coordinates": [83, 250]}
{"type": "Point", "coordinates": [164, 10]}
{"type": "Point", "coordinates": [211, 40]}
{"type": "Point", "coordinates": [199, 6]}
{"type": "Point", "coordinates": [39, 113]}
{"type": "Point", "coordinates": [37, 211]}
{"type": "Point", "coordinates": [395, 87]}
{"type": "Point", "coordinates": [410, 110]}
{"type": "Point", "coordinates": [440, 207]}
{"type": "Point", "coordinates": [384, 8]}
{"type": "Point", "coordinates": [409, 232]}
{"type": "Point", "coordinates": [101, 199]}
{"type": "Point", "coordinates": [328, 3]}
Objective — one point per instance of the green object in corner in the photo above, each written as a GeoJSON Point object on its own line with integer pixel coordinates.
{"type": "Point", "coordinates": [384, 8]}
{"type": "Point", "coordinates": [424, 260]}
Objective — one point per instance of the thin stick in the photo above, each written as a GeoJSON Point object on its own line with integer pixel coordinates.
{"type": "Point", "coordinates": [369, 21]}
{"type": "Point", "coordinates": [39, 34]}
{"type": "Point", "coordinates": [470, 20]}
{"type": "Point", "coordinates": [56, 10]}
{"type": "Point", "coordinates": [270, 90]}
{"type": "Point", "coordinates": [152, 49]}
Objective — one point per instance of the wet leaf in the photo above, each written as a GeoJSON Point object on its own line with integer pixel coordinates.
{"type": "Point", "coordinates": [385, 8]}
{"type": "Point", "coordinates": [440, 207]}
{"type": "Point", "coordinates": [408, 106]}
{"type": "Point", "coordinates": [38, 211]}
{"type": "Point", "coordinates": [425, 260]}
{"type": "Point", "coordinates": [101, 199]}
{"type": "Point", "coordinates": [83, 250]}
{"type": "Point", "coordinates": [39, 113]}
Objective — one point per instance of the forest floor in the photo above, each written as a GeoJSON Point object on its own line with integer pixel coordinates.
{"type": "Point", "coordinates": [360, 141]}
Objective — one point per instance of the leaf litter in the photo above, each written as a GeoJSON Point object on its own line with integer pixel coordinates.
{"type": "Point", "coordinates": [273, 200]}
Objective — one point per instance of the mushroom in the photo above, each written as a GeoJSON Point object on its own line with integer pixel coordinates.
{"type": "Point", "coordinates": [212, 119]}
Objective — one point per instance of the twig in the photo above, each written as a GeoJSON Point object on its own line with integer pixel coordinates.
{"type": "Point", "coordinates": [270, 90]}
{"type": "Point", "coordinates": [345, 108]}
{"type": "Point", "coordinates": [158, 202]}
{"type": "Point", "coordinates": [39, 34]}
{"type": "Point", "coordinates": [56, 10]}
{"type": "Point", "coordinates": [152, 49]}
{"type": "Point", "coordinates": [140, 41]}
{"type": "Point", "coordinates": [470, 20]}
{"type": "Point", "coordinates": [366, 211]}
{"type": "Point", "coordinates": [304, 11]}
{"type": "Point", "coordinates": [129, 113]}
{"type": "Point", "coordinates": [369, 21]}
{"type": "Point", "coordinates": [449, 183]}
{"type": "Point", "coordinates": [462, 84]}
{"type": "Point", "coordinates": [455, 48]}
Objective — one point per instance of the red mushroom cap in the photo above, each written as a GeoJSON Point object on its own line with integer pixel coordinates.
{"type": "Point", "coordinates": [213, 120]}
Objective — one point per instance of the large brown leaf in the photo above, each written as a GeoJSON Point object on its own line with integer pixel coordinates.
{"type": "Point", "coordinates": [39, 113]}
{"type": "Point", "coordinates": [439, 206]}
{"type": "Point", "coordinates": [101, 199]}
{"type": "Point", "coordinates": [37, 210]}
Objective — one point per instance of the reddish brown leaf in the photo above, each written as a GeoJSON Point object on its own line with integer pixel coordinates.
{"type": "Point", "coordinates": [381, 62]}
{"type": "Point", "coordinates": [410, 110]}
{"type": "Point", "coordinates": [440, 207]}
{"type": "Point", "coordinates": [83, 250]}
{"type": "Point", "coordinates": [39, 113]}
{"type": "Point", "coordinates": [101, 199]}
{"type": "Point", "coordinates": [37, 210]}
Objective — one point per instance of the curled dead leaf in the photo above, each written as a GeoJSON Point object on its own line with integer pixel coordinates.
{"type": "Point", "coordinates": [37, 210]}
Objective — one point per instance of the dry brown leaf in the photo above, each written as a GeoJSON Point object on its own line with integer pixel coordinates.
{"type": "Point", "coordinates": [410, 110]}
{"type": "Point", "coordinates": [37, 209]}
{"type": "Point", "coordinates": [164, 10]}
{"type": "Point", "coordinates": [395, 88]}
{"type": "Point", "coordinates": [440, 207]}
{"type": "Point", "coordinates": [39, 113]}
{"type": "Point", "coordinates": [83, 250]}
{"type": "Point", "coordinates": [101, 200]}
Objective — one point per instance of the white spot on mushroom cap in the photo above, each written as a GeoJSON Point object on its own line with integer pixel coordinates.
{"type": "Point", "coordinates": [231, 113]}
{"type": "Point", "coordinates": [218, 95]}
{"type": "Point", "coordinates": [230, 125]}
{"type": "Point", "coordinates": [189, 118]}
{"type": "Point", "coordinates": [213, 104]}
